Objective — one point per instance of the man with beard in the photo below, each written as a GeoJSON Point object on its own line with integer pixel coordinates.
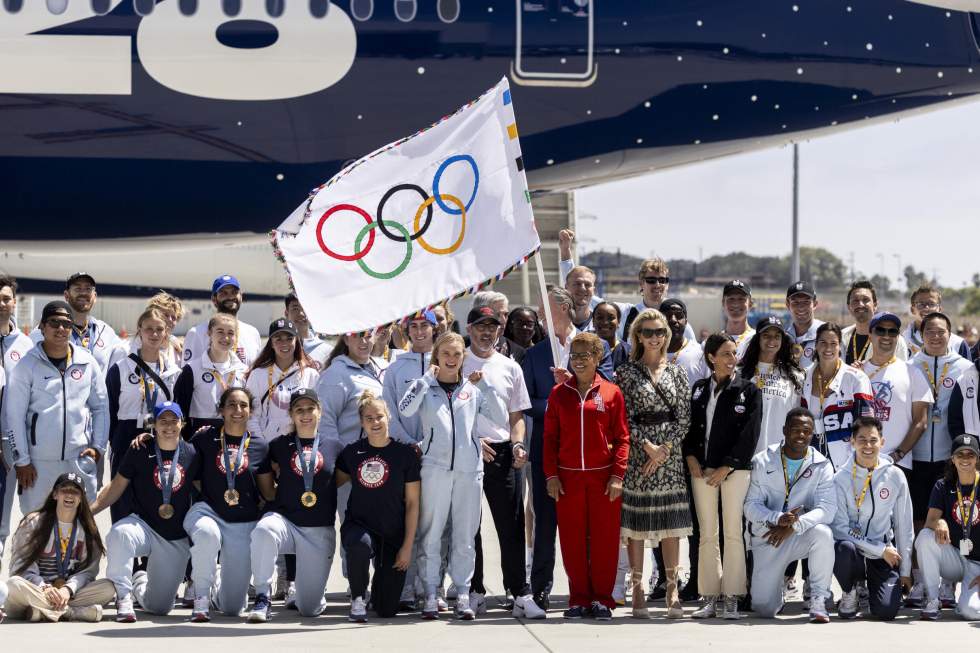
{"type": "Point", "coordinates": [313, 345]}
{"type": "Point", "coordinates": [500, 306]}
{"type": "Point", "coordinates": [226, 295]}
{"type": "Point", "coordinates": [801, 300]}
{"type": "Point", "coordinates": [856, 342]}
{"type": "Point", "coordinates": [580, 284]}
{"type": "Point", "coordinates": [654, 278]}
{"type": "Point", "coordinates": [736, 302]}
{"type": "Point", "coordinates": [88, 332]}
{"type": "Point", "coordinates": [504, 455]}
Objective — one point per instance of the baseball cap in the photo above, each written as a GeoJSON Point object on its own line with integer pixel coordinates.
{"type": "Point", "coordinates": [428, 316]}
{"type": "Point", "coordinates": [804, 287]}
{"type": "Point", "coordinates": [168, 407]}
{"type": "Point", "coordinates": [69, 478]}
{"type": "Point", "coordinates": [966, 441]}
{"type": "Point", "coordinates": [736, 285]}
{"type": "Point", "coordinates": [78, 276]}
{"type": "Point", "coordinates": [884, 316]}
{"type": "Point", "coordinates": [304, 393]}
{"type": "Point", "coordinates": [673, 305]}
{"type": "Point", "coordinates": [482, 314]}
{"type": "Point", "coordinates": [282, 325]}
{"type": "Point", "coordinates": [767, 322]}
{"type": "Point", "coordinates": [222, 281]}
{"type": "Point", "coordinates": [56, 308]}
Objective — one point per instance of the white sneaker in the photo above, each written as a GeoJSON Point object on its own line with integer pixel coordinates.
{"type": "Point", "coordinates": [290, 603]}
{"type": "Point", "coordinates": [201, 612]}
{"type": "Point", "coordinates": [790, 589]}
{"type": "Point", "coordinates": [731, 612]}
{"type": "Point", "coordinates": [478, 602]}
{"type": "Point", "coordinates": [931, 611]}
{"type": "Point", "coordinates": [848, 606]}
{"type": "Point", "coordinates": [187, 600]}
{"type": "Point", "coordinates": [947, 594]}
{"type": "Point", "coordinates": [463, 609]}
{"type": "Point", "coordinates": [430, 610]}
{"type": "Point", "coordinates": [818, 610]}
{"type": "Point", "coordinates": [124, 610]}
{"type": "Point", "coordinates": [916, 596]}
{"type": "Point", "coordinates": [707, 609]}
{"type": "Point", "coordinates": [524, 606]}
{"type": "Point", "coordinates": [358, 610]}
{"type": "Point", "coordinates": [441, 600]}
{"type": "Point", "coordinates": [90, 614]}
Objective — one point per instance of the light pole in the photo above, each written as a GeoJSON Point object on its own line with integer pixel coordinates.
{"type": "Point", "coordinates": [795, 261]}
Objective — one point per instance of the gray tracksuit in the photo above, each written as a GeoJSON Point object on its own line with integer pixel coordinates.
{"type": "Point", "coordinates": [47, 412]}
{"type": "Point", "coordinates": [211, 535]}
{"type": "Point", "coordinates": [814, 492]}
{"type": "Point", "coordinates": [885, 517]}
{"type": "Point", "coordinates": [400, 374]}
{"type": "Point", "coordinates": [132, 537]}
{"type": "Point", "coordinates": [452, 471]}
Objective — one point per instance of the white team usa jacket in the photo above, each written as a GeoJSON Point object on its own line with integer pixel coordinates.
{"type": "Point", "coordinates": [247, 348]}
{"type": "Point", "coordinates": [199, 387]}
{"type": "Point", "coordinates": [813, 491]}
{"type": "Point", "coordinates": [270, 417]}
{"type": "Point", "coordinates": [849, 397]}
{"type": "Point", "coordinates": [131, 391]}
{"type": "Point", "coordinates": [885, 517]}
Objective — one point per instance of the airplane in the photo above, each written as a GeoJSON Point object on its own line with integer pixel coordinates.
{"type": "Point", "coordinates": [148, 140]}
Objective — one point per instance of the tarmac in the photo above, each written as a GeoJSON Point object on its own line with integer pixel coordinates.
{"type": "Point", "coordinates": [495, 631]}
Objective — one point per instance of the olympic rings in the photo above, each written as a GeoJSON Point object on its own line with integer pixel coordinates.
{"type": "Point", "coordinates": [368, 228]}
{"type": "Point", "coordinates": [438, 177]}
{"type": "Point", "coordinates": [462, 231]}
{"type": "Point", "coordinates": [357, 256]}
{"type": "Point", "coordinates": [387, 196]}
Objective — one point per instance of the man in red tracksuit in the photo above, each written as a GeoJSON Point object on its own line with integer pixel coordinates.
{"type": "Point", "coordinates": [586, 443]}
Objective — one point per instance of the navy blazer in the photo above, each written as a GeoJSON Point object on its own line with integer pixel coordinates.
{"type": "Point", "coordinates": [539, 379]}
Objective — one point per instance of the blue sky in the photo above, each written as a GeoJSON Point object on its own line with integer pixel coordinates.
{"type": "Point", "coordinates": [910, 188]}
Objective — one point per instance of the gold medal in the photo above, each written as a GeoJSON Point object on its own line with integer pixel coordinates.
{"type": "Point", "coordinates": [58, 583]}
{"type": "Point", "coordinates": [231, 497]}
{"type": "Point", "coordinates": [166, 511]}
{"type": "Point", "coordinates": [308, 499]}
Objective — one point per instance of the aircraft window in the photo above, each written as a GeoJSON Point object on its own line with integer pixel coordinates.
{"type": "Point", "coordinates": [362, 9]}
{"type": "Point", "coordinates": [57, 6]}
{"type": "Point", "coordinates": [448, 10]}
{"type": "Point", "coordinates": [13, 6]}
{"type": "Point", "coordinates": [143, 7]}
{"type": "Point", "coordinates": [188, 7]}
{"type": "Point", "coordinates": [101, 7]}
{"type": "Point", "coordinates": [231, 7]}
{"type": "Point", "coordinates": [275, 7]}
{"type": "Point", "coordinates": [319, 8]}
{"type": "Point", "coordinates": [405, 10]}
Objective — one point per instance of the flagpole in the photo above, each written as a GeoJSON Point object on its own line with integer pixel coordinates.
{"type": "Point", "coordinates": [546, 304]}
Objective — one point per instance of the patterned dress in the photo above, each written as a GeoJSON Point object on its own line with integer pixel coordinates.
{"type": "Point", "coordinates": [656, 506]}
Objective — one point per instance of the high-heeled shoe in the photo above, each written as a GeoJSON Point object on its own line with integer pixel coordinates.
{"type": "Point", "coordinates": [675, 609]}
{"type": "Point", "coordinates": [639, 598]}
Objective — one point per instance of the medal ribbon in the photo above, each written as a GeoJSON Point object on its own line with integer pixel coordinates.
{"type": "Point", "coordinates": [856, 357]}
{"type": "Point", "coordinates": [232, 470]}
{"type": "Point", "coordinates": [166, 482]}
{"type": "Point", "coordinates": [149, 399]}
{"type": "Point", "coordinates": [221, 380]}
{"type": "Point", "coordinates": [859, 498]}
{"type": "Point", "coordinates": [967, 519]}
{"type": "Point", "coordinates": [818, 379]}
{"type": "Point", "coordinates": [933, 381]}
{"type": "Point", "coordinates": [88, 340]}
{"type": "Point", "coordinates": [308, 467]}
{"type": "Point", "coordinates": [789, 484]}
{"type": "Point", "coordinates": [63, 549]}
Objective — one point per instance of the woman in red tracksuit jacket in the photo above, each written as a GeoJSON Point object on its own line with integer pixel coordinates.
{"type": "Point", "coordinates": [586, 443]}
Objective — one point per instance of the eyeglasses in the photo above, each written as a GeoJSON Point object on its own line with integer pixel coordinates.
{"type": "Point", "coordinates": [651, 333]}
{"type": "Point", "coordinates": [926, 306]}
{"type": "Point", "coordinates": [886, 331]}
{"type": "Point", "coordinates": [59, 324]}
{"type": "Point", "coordinates": [661, 280]}
{"type": "Point", "coordinates": [580, 355]}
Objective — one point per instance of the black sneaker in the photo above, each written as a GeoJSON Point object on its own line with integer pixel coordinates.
{"type": "Point", "coordinates": [658, 593]}
{"type": "Point", "coordinates": [601, 612]}
{"type": "Point", "coordinates": [407, 606]}
{"type": "Point", "coordinates": [576, 612]}
{"type": "Point", "coordinates": [543, 599]}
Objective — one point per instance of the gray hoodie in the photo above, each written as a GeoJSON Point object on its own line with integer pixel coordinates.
{"type": "Point", "coordinates": [399, 375]}
{"type": "Point", "coordinates": [885, 518]}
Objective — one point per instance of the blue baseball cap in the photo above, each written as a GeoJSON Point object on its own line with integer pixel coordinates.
{"type": "Point", "coordinates": [168, 407]}
{"type": "Point", "coordinates": [222, 281]}
{"type": "Point", "coordinates": [884, 317]}
{"type": "Point", "coordinates": [428, 316]}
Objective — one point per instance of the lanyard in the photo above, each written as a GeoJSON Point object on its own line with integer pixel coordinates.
{"type": "Point", "coordinates": [673, 358]}
{"type": "Point", "coordinates": [149, 399]}
{"type": "Point", "coordinates": [859, 499]}
{"type": "Point", "coordinates": [232, 470]}
{"type": "Point", "coordinates": [760, 379]}
{"type": "Point", "coordinates": [818, 379]}
{"type": "Point", "coordinates": [222, 381]}
{"type": "Point", "coordinates": [370, 368]}
{"type": "Point", "coordinates": [856, 357]}
{"type": "Point", "coordinates": [879, 369]}
{"type": "Point", "coordinates": [63, 549]}
{"type": "Point", "coordinates": [933, 381]}
{"type": "Point", "coordinates": [167, 482]}
{"type": "Point", "coordinates": [967, 519]}
{"type": "Point", "coordinates": [789, 484]}
{"type": "Point", "coordinates": [88, 340]}
{"type": "Point", "coordinates": [308, 467]}
{"type": "Point", "coordinates": [282, 377]}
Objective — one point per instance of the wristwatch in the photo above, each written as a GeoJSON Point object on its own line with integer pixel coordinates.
{"type": "Point", "coordinates": [518, 445]}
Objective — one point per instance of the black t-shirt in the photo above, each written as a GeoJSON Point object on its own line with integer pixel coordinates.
{"type": "Point", "coordinates": [378, 478]}
{"type": "Point", "coordinates": [944, 498]}
{"type": "Point", "coordinates": [289, 488]}
{"type": "Point", "coordinates": [856, 346]}
{"type": "Point", "coordinates": [59, 362]}
{"type": "Point", "coordinates": [140, 467]}
{"type": "Point", "coordinates": [449, 388]}
{"type": "Point", "coordinates": [214, 483]}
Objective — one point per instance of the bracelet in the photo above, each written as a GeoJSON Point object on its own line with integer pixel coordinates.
{"type": "Point", "coordinates": [516, 445]}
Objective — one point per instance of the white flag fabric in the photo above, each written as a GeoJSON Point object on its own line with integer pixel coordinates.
{"type": "Point", "coordinates": [421, 220]}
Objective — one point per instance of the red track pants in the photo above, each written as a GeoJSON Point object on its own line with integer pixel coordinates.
{"type": "Point", "coordinates": [588, 528]}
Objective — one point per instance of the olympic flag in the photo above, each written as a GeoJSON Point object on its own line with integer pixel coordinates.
{"type": "Point", "coordinates": [421, 220]}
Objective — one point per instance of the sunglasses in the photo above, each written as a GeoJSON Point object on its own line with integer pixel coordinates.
{"type": "Point", "coordinates": [886, 331]}
{"type": "Point", "coordinates": [650, 333]}
{"type": "Point", "coordinates": [579, 355]}
{"type": "Point", "coordinates": [59, 324]}
{"type": "Point", "coordinates": [661, 280]}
